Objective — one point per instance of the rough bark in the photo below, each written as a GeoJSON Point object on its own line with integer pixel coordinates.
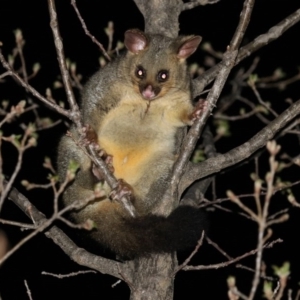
{"type": "Point", "coordinates": [153, 277]}
{"type": "Point", "coordinates": [161, 16]}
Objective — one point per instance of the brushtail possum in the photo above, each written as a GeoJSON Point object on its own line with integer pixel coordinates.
{"type": "Point", "coordinates": [135, 105]}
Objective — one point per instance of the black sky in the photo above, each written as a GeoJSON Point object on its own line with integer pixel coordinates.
{"type": "Point", "coordinates": [216, 24]}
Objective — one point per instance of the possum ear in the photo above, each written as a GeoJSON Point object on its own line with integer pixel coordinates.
{"type": "Point", "coordinates": [135, 40]}
{"type": "Point", "coordinates": [188, 46]}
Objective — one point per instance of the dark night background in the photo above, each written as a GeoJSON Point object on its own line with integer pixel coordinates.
{"type": "Point", "coordinates": [236, 235]}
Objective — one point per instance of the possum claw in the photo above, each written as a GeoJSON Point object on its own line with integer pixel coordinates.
{"type": "Point", "coordinates": [123, 193]}
{"type": "Point", "coordinates": [200, 107]}
{"type": "Point", "coordinates": [121, 190]}
{"type": "Point", "coordinates": [89, 137]}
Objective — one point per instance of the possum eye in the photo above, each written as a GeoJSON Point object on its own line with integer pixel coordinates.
{"type": "Point", "coordinates": [162, 76]}
{"type": "Point", "coordinates": [140, 72]}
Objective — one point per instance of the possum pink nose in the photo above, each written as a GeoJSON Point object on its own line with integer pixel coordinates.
{"type": "Point", "coordinates": [148, 92]}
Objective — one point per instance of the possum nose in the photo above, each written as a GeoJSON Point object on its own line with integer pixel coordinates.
{"type": "Point", "coordinates": [149, 92]}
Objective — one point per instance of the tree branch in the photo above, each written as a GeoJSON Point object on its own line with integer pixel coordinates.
{"type": "Point", "coordinates": [243, 24]}
{"type": "Point", "coordinates": [94, 40]}
{"type": "Point", "coordinates": [61, 58]}
{"type": "Point", "coordinates": [75, 113]}
{"type": "Point", "coordinates": [33, 91]}
{"type": "Point", "coordinates": [273, 33]}
{"type": "Point", "coordinates": [236, 155]}
{"type": "Point", "coordinates": [79, 255]}
{"type": "Point", "coordinates": [194, 133]}
{"type": "Point", "coordinates": [230, 261]}
{"type": "Point", "coordinates": [194, 3]}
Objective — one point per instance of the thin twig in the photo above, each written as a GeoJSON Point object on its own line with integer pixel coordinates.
{"type": "Point", "coordinates": [262, 219]}
{"type": "Point", "coordinates": [4, 74]}
{"type": "Point", "coordinates": [24, 145]}
{"type": "Point", "coordinates": [41, 226]}
{"type": "Point", "coordinates": [236, 118]}
{"type": "Point", "coordinates": [20, 43]}
{"type": "Point", "coordinates": [194, 3]}
{"type": "Point", "coordinates": [260, 100]}
{"type": "Point", "coordinates": [94, 40]}
{"type": "Point", "coordinates": [33, 91]}
{"type": "Point", "coordinates": [229, 262]}
{"type": "Point", "coordinates": [245, 208]}
{"type": "Point", "coordinates": [252, 271]}
{"type": "Point", "coordinates": [28, 290]}
{"type": "Point", "coordinates": [60, 276]}
{"type": "Point", "coordinates": [199, 244]}
{"type": "Point", "coordinates": [61, 58]}
{"type": "Point", "coordinates": [18, 224]}
{"type": "Point", "coordinates": [298, 295]}
{"type": "Point", "coordinates": [216, 246]}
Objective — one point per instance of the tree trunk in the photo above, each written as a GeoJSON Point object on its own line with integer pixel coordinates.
{"type": "Point", "coordinates": [153, 277]}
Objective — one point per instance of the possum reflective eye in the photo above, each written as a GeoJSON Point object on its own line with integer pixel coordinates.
{"type": "Point", "coordinates": [162, 75]}
{"type": "Point", "coordinates": [140, 72]}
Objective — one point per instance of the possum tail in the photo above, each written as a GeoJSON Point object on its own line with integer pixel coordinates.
{"type": "Point", "coordinates": [140, 236]}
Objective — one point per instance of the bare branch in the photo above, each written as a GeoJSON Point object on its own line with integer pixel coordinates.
{"type": "Point", "coordinates": [60, 276]}
{"type": "Point", "coordinates": [33, 91]}
{"type": "Point", "coordinates": [274, 32]}
{"type": "Point", "coordinates": [24, 144]}
{"type": "Point", "coordinates": [199, 244]}
{"type": "Point", "coordinates": [28, 290]}
{"type": "Point", "coordinates": [20, 43]}
{"type": "Point", "coordinates": [195, 131]}
{"type": "Point", "coordinates": [245, 208]}
{"type": "Point", "coordinates": [243, 24]}
{"type": "Point", "coordinates": [236, 155]}
{"type": "Point", "coordinates": [4, 75]}
{"type": "Point", "coordinates": [281, 219]}
{"type": "Point", "coordinates": [79, 255]}
{"type": "Point", "coordinates": [227, 64]}
{"type": "Point", "coordinates": [273, 149]}
{"type": "Point", "coordinates": [194, 3]}
{"type": "Point", "coordinates": [239, 117]}
{"type": "Point", "coordinates": [239, 266]}
{"type": "Point", "coordinates": [282, 84]}
{"type": "Point", "coordinates": [94, 40]}
{"type": "Point", "coordinates": [61, 58]}
{"type": "Point", "coordinates": [22, 225]}
{"type": "Point", "coordinates": [260, 100]}
{"type": "Point", "coordinates": [231, 261]}
{"type": "Point", "coordinates": [217, 247]}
